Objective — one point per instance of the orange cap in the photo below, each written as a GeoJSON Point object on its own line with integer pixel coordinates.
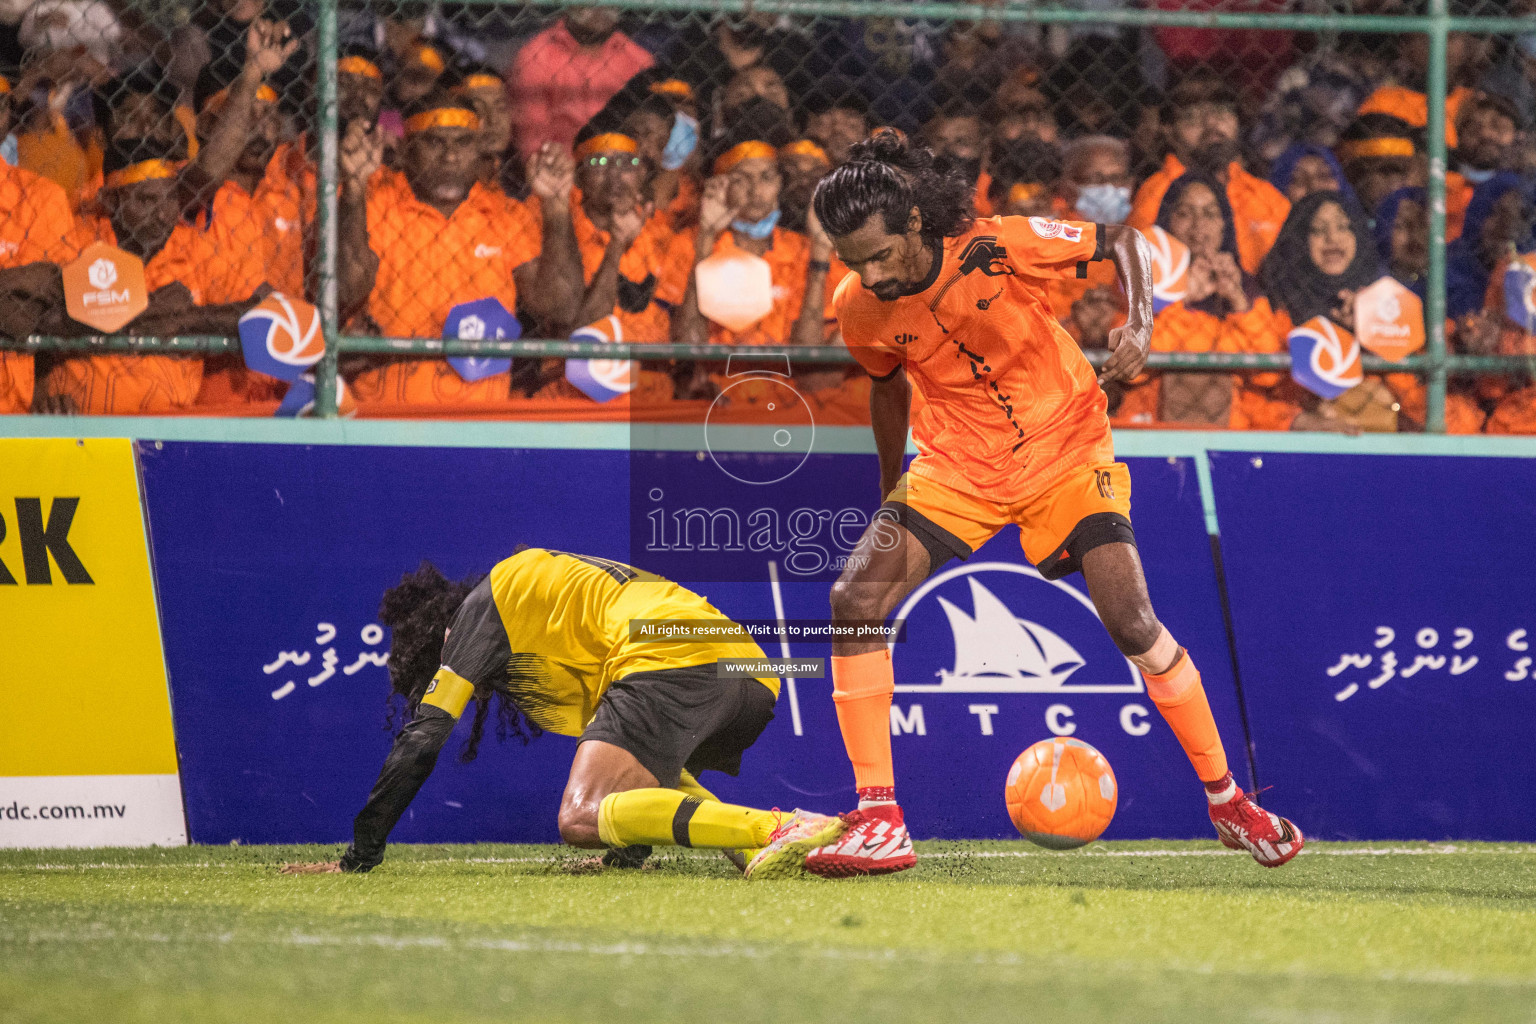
{"type": "Point", "coordinates": [144, 170]}
{"type": "Point", "coordinates": [356, 65]}
{"type": "Point", "coordinates": [615, 142]}
{"type": "Point", "coordinates": [442, 117]}
{"type": "Point", "coordinates": [805, 147]}
{"type": "Point", "coordinates": [752, 149]}
{"type": "Point", "coordinates": [673, 87]}
{"type": "Point", "coordinates": [428, 57]}
{"type": "Point", "coordinates": [1386, 146]}
{"type": "Point", "coordinates": [479, 80]}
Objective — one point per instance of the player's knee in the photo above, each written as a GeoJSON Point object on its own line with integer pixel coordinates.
{"type": "Point", "coordinates": [1134, 628]}
{"type": "Point", "coordinates": [852, 600]}
{"type": "Point", "coordinates": [578, 826]}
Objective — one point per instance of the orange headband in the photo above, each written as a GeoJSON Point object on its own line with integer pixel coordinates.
{"type": "Point", "coordinates": [215, 103]}
{"type": "Point", "coordinates": [5, 85]}
{"type": "Point", "coordinates": [805, 147]}
{"type": "Point", "coordinates": [144, 170]}
{"type": "Point", "coordinates": [1023, 192]}
{"type": "Point", "coordinates": [428, 57]}
{"type": "Point", "coordinates": [478, 81]}
{"type": "Point", "coordinates": [610, 141]}
{"type": "Point", "coordinates": [675, 87]}
{"type": "Point", "coordinates": [355, 65]}
{"type": "Point", "coordinates": [1391, 145]}
{"type": "Point", "coordinates": [442, 117]}
{"type": "Point", "coordinates": [752, 149]}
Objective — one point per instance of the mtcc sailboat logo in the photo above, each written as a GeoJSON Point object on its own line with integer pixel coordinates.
{"type": "Point", "coordinates": [1009, 630]}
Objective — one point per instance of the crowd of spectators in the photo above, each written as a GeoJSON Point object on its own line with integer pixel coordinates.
{"type": "Point", "coordinates": [579, 166]}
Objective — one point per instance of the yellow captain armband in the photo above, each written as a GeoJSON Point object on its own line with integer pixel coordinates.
{"type": "Point", "coordinates": [450, 691]}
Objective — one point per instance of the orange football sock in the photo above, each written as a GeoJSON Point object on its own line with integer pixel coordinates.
{"type": "Point", "coordinates": [862, 685]}
{"type": "Point", "coordinates": [1179, 695]}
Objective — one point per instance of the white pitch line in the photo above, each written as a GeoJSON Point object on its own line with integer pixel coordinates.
{"type": "Point", "coordinates": [789, 681]}
{"type": "Point", "coordinates": [717, 950]}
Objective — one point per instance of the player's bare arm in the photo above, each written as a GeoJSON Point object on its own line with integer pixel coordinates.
{"type": "Point", "coordinates": [1129, 344]}
{"type": "Point", "coordinates": [890, 405]}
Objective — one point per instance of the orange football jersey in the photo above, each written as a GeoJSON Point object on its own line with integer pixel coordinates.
{"type": "Point", "coordinates": [1010, 403]}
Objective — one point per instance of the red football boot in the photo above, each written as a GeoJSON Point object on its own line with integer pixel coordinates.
{"type": "Point", "coordinates": [876, 843]}
{"type": "Point", "coordinates": [1242, 824]}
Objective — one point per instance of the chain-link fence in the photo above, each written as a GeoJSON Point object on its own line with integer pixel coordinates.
{"type": "Point", "coordinates": [1340, 191]}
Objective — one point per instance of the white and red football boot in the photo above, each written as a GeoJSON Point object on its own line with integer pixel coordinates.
{"type": "Point", "coordinates": [1242, 824]}
{"type": "Point", "coordinates": [876, 843]}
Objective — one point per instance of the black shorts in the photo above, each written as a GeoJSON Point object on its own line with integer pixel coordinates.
{"type": "Point", "coordinates": [680, 718]}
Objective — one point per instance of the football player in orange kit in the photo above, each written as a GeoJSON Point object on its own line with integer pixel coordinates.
{"type": "Point", "coordinates": [1013, 430]}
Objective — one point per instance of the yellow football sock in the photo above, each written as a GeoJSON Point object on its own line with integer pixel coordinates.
{"type": "Point", "coordinates": [690, 785]}
{"type": "Point", "coordinates": [668, 817]}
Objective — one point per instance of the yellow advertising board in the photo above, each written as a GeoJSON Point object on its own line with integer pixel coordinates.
{"type": "Point", "coordinates": [87, 753]}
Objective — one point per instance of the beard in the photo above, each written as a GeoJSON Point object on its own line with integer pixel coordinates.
{"type": "Point", "coordinates": [256, 155]}
{"type": "Point", "coordinates": [1213, 157]}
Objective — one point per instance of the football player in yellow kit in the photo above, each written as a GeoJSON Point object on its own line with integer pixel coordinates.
{"type": "Point", "coordinates": [547, 634]}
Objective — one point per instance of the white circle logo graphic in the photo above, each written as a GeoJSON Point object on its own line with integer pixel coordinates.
{"type": "Point", "coordinates": [102, 273]}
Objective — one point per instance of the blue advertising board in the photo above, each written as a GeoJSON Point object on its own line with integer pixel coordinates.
{"type": "Point", "coordinates": [271, 560]}
{"type": "Point", "coordinates": [1384, 610]}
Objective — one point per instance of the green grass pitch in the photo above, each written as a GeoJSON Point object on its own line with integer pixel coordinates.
{"type": "Point", "coordinates": [978, 932]}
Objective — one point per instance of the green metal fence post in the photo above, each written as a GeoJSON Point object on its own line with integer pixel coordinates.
{"type": "Point", "coordinates": [325, 97]}
{"type": "Point", "coordinates": [1434, 308]}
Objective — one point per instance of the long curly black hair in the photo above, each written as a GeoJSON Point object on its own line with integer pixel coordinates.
{"type": "Point", "coordinates": [888, 174]}
{"type": "Point", "coordinates": [418, 611]}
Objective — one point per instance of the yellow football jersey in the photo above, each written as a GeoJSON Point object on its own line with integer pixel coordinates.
{"type": "Point", "coordinates": [551, 630]}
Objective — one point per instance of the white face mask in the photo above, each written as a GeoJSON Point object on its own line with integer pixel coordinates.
{"type": "Point", "coordinates": [1104, 204]}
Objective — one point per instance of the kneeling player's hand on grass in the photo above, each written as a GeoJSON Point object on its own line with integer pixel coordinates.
{"type": "Point", "coordinates": [330, 867]}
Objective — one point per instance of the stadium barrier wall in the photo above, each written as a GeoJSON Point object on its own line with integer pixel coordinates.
{"type": "Point", "coordinates": [269, 560]}
{"type": "Point", "coordinates": [278, 685]}
{"type": "Point", "coordinates": [87, 755]}
{"type": "Point", "coordinates": [1385, 610]}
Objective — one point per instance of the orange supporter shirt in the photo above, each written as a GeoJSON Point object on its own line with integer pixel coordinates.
{"type": "Point", "coordinates": [35, 227]}
{"type": "Point", "coordinates": [1413, 106]}
{"type": "Point", "coordinates": [1260, 401]}
{"type": "Point", "coordinates": [54, 153]}
{"type": "Point", "coordinates": [429, 263]}
{"type": "Point", "coordinates": [1257, 207]}
{"type": "Point", "coordinates": [141, 383]}
{"type": "Point", "coordinates": [1100, 275]}
{"type": "Point", "coordinates": [1010, 402]}
{"type": "Point", "coordinates": [648, 256]}
{"type": "Point", "coordinates": [37, 223]}
{"type": "Point", "coordinates": [256, 238]}
{"type": "Point", "coordinates": [305, 177]}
